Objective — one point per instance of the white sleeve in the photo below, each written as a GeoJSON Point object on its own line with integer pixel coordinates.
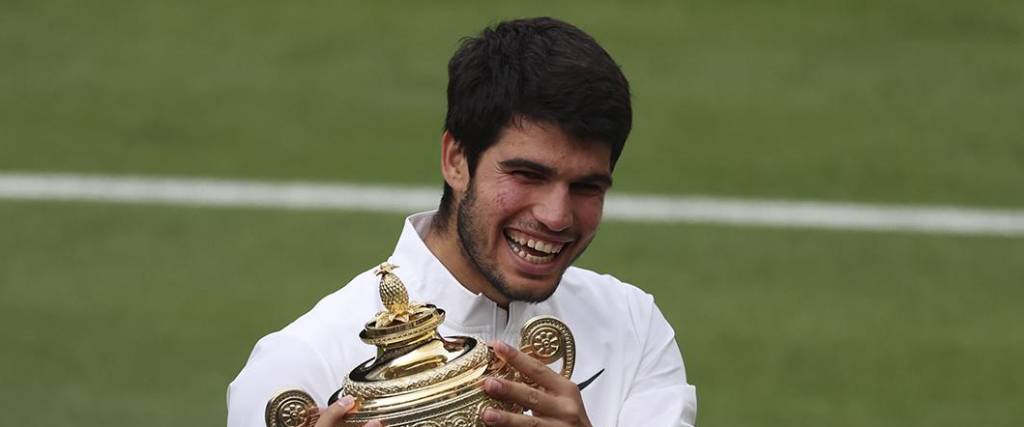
{"type": "Point", "coordinates": [660, 395]}
{"type": "Point", "coordinates": [277, 363]}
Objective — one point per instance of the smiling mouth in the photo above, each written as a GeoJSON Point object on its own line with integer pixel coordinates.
{"type": "Point", "coordinates": [531, 249]}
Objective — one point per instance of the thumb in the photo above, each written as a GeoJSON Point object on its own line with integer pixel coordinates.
{"type": "Point", "coordinates": [332, 415]}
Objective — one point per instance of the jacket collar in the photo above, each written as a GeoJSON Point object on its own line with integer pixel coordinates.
{"type": "Point", "coordinates": [429, 281]}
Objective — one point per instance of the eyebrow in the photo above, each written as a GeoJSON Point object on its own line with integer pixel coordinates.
{"type": "Point", "coordinates": [521, 163]}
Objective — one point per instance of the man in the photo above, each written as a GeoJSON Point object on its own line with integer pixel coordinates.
{"type": "Point", "coordinates": [538, 114]}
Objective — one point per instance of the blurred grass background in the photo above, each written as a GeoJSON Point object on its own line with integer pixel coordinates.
{"type": "Point", "coordinates": [141, 315]}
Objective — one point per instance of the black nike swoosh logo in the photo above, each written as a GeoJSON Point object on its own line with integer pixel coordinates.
{"type": "Point", "coordinates": [584, 384]}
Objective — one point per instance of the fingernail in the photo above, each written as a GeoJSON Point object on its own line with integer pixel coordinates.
{"type": "Point", "coordinates": [490, 415]}
{"type": "Point", "coordinates": [374, 423]}
{"type": "Point", "coordinates": [346, 402]}
{"type": "Point", "coordinates": [492, 385]}
{"type": "Point", "coordinates": [500, 347]}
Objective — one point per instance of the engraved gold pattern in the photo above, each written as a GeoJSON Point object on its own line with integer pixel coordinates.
{"type": "Point", "coordinates": [548, 339]}
{"type": "Point", "coordinates": [292, 408]}
{"type": "Point", "coordinates": [463, 410]}
{"type": "Point", "coordinates": [423, 324]}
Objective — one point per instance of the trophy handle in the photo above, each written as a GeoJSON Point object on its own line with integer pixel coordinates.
{"type": "Point", "coordinates": [292, 408]}
{"type": "Point", "coordinates": [547, 339]}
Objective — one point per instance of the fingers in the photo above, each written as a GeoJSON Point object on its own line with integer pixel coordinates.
{"type": "Point", "coordinates": [494, 417]}
{"type": "Point", "coordinates": [334, 414]}
{"type": "Point", "coordinates": [533, 369]}
{"type": "Point", "coordinates": [538, 401]}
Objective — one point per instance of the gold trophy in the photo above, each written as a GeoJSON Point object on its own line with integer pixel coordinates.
{"type": "Point", "coordinates": [419, 378]}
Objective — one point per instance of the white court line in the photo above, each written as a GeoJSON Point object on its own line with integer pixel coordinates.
{"type": "Point", "coordinates": [398, 199]}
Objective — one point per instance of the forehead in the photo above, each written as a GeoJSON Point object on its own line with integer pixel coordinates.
{"type": "Point", "coordinates": [549, 145]}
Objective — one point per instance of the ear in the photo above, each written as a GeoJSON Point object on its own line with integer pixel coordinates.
{"type": "Point", "coordinates": [453, 163]}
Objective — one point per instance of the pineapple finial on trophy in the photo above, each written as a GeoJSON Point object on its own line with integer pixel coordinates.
{"type": "Point", "coordinates": [394, 297]}
{"type": "Point", "coordinates": [392, 290]}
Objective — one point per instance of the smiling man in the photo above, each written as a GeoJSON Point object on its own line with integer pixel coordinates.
{"type": "Point", "coordinates": [538, 114]}
{"type": "Point", "coordinates": [528, 208]}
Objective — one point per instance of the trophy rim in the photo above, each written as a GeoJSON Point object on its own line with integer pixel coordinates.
{"type": "Point", "coordinates": [477, 356]}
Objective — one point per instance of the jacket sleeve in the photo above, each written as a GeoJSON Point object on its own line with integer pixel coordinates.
{"type": "Point", "coordinates": [277, 363]}
{"type": "Point", "coordinates": [660, 395]}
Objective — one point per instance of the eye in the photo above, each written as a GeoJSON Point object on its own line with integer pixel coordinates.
{"type": "Point", "coordinates": [588, 189]}
{"type": "Point", "coordinates": [528, 175]}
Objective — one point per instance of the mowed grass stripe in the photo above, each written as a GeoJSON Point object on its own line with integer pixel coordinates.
{"type": "Point", "coordinates": [396, 199]}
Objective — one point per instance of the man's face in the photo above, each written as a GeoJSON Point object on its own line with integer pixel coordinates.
{"type": "Point", "coordinates": [531, 208]}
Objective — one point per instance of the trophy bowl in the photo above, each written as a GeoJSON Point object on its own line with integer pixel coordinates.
{"type": "Point", "coordinates": [419, 378]}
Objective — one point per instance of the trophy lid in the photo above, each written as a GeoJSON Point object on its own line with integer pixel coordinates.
{"type": "Point", "coordinates": [414, 363]}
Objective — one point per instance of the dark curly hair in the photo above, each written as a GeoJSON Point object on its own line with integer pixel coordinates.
{"type": "Point", "coordinates": [539, 69]}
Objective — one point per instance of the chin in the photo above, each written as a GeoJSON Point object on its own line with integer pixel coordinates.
{"type": "Point", "coordinates": [530, 290]}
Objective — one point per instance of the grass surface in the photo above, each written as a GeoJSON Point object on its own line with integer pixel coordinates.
{"type": "Point", "coordinates": [835, 329]}
{"type": "Point", "coordinates": [117, 315]}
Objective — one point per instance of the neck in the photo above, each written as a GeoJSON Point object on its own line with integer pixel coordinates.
{"type": "Point", "coordinates": [443, 242]}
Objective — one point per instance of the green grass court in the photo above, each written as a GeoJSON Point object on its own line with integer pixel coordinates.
{"type": "Point", "coordinates": [117, 315]}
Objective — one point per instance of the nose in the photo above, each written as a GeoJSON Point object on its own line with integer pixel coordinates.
{"type": "Point", "coordinates": [554, 209]}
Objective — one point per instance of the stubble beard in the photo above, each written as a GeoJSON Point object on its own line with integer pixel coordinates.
{"type": "Point", "coordinates": [468, 231]}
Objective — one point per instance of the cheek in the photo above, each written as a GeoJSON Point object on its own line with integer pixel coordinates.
{"type": "Point", "coordinates": [509, 199]}
{"type": "Point", "coordinates": [588, 213]}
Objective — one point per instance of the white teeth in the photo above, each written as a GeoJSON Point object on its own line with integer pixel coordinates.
{"type": "Point", "coordinates": [538, 260]}
{"type": "Point", "coordinates": [531, 258]}
{"type": "Point", "coordinates": [551, 248]}
{"type": "Point", "coordinates": [547, 247]}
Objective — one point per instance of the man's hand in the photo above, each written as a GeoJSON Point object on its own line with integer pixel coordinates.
{"type": "Point", "coordinates": [557, 401]}
{"type": "Point", "coordinates": [332, 416]}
